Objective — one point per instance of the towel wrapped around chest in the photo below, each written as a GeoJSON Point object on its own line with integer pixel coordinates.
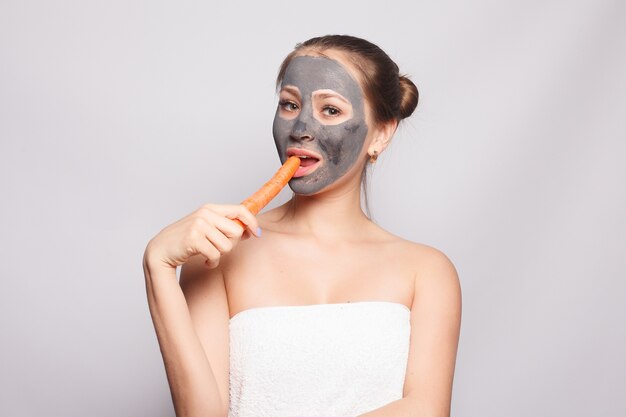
{"type": "Point", "coordinates": [321, 360]}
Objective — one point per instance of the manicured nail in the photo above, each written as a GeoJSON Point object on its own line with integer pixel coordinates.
{"type": "Point", "coordinates": [258, 232]}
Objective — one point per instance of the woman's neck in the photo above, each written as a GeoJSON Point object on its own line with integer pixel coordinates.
{"type": "Point", "coordinates": [328, 216]}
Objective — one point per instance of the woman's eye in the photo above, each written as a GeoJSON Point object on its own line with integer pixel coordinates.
{"type": "Point", "coordinates": [331, 111]}
{"type": "Point", "coordinates": [288, 105]}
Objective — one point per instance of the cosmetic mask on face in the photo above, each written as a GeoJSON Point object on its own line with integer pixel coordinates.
{"type": "Point", "coordinates": [340, 144]}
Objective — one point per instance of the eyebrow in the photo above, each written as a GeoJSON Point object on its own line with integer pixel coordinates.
{"type": "Point", "coordinates": [290, 89]}
{"type": "Point", "coordinates": [332, 95]}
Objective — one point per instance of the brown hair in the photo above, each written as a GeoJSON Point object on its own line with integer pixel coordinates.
{"type": "Point", "coordinates": [392, 96]}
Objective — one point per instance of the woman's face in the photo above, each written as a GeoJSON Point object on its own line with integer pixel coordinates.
{"type": "Point", "coordinates": [321, 110]}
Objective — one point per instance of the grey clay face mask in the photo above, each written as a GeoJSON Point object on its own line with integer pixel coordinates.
{"type": "Point", "coordinates": [340, 144]}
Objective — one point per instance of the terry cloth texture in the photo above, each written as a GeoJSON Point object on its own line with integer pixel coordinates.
{"type": "Point", "coordinates": [320, 360]}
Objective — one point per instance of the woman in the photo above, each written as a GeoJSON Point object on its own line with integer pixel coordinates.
{"type": "Point", "coordinates": [326, 314]}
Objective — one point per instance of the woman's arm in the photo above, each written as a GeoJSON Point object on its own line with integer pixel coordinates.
{"type": "Point", "coordinates": [196, 366]}
{"type": "Point", "coordinates": [435, 328]}
{"type": "Point", "coordinates": [191, 318]}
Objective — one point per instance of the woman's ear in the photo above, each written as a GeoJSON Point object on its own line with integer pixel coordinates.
{"type": "Point", "coordinates": [383, 136]}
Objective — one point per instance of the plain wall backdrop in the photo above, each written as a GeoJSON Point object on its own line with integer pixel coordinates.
{"type": "Point", "coordinates": [118, 118]}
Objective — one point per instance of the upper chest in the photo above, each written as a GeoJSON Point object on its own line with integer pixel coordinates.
{"type": "Point", "coordinates": [279, 270]}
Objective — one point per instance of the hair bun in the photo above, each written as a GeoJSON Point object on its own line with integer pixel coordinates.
{"type": "Point", "coordinates": [408, 97]}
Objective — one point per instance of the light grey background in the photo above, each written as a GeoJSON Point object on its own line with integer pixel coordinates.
{"type": "Point", "coordinates": [119, 117]}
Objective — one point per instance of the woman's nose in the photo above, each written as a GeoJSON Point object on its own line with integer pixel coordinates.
{"type": "Point", "coordinates": [300, 131]}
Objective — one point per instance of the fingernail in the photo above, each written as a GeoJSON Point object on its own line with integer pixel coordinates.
{"type": "Point", "coordinates": [258, 232]}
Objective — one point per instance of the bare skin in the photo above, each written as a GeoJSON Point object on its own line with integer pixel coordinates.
{"type": "Point", "coordinates": [315, 249]}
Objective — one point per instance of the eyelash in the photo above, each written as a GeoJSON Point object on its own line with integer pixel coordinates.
{"type": "Point", "coordinates": [285, 103]}
{"type": "Point", "coordinates": [333, 108]}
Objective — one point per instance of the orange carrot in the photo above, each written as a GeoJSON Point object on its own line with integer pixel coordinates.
{"type": "Point", "coordinates": [265, 194]}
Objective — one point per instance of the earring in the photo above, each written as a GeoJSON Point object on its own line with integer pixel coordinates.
{"type": "Point", "coordinates": [374, 156]}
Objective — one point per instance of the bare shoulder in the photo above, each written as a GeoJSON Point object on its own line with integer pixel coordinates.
{"type": "Point", "coordinates": [430, 261]}
{"type": "Point", "coordinates": [436, 279]}
{"type": "Point", "coordinates": [432, 269]}
{"type": "Point", "coordinates": [417, 255]}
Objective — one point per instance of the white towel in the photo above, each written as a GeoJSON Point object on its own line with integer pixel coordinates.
{"type": "Point", "coordinates": [321, 360]}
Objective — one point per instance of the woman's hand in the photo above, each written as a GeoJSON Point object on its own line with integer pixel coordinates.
{"type": "Point", "coordinates": [208, 231]}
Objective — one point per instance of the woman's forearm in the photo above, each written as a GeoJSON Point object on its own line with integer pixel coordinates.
{"type": "Point", "coordinates": [404, 407]}
{"type": "Point", "coordinates": [192, 383]}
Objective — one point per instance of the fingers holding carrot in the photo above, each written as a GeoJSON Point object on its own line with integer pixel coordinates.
{"type": "Point", "coordinates": [210, 231]}
{"type": "Point", "coordinates": [214, 229]}
{"type": "Point", "coordinates": [239, 214]}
